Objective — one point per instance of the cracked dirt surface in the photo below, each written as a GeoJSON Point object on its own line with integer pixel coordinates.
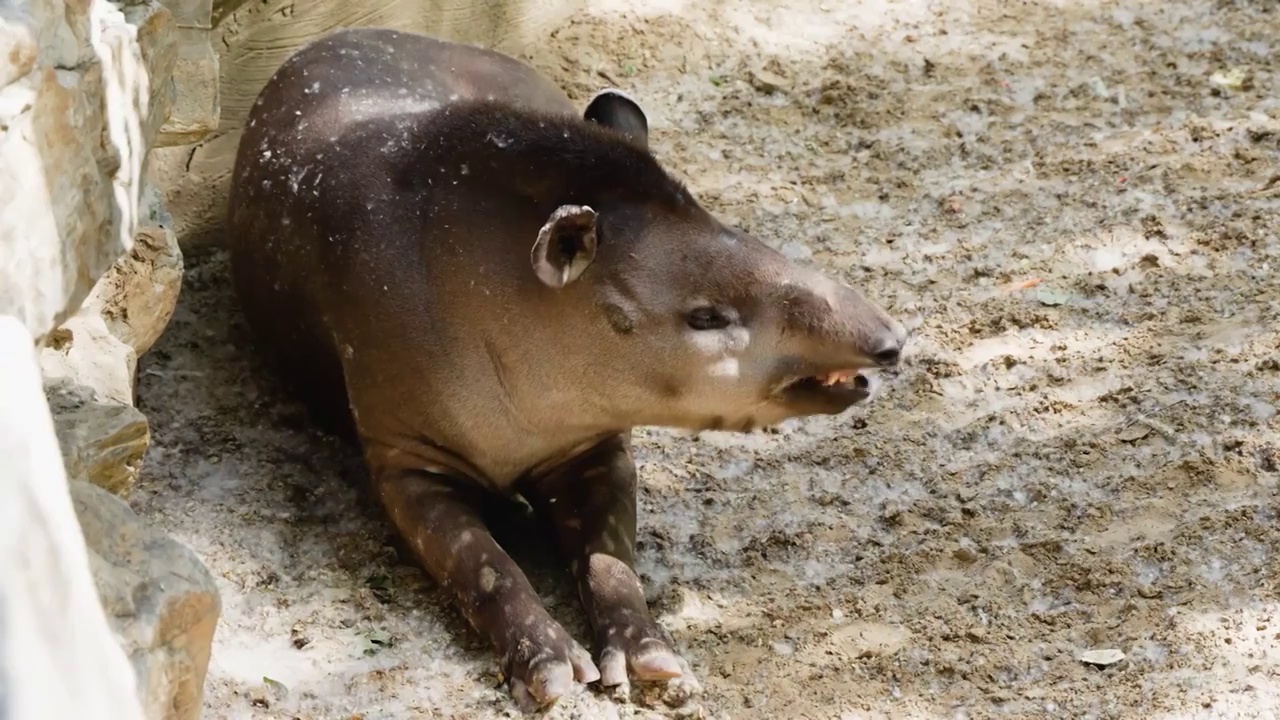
{"type": "Point", "coordinates": [1076, 208]}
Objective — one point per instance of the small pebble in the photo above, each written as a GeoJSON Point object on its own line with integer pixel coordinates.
{"type": "Point", "coordinates": [1149, 591]}
{"type": "Point", "coordinates": [766, 81]}
{"type": "Point", "coordinates": [1102, 658]}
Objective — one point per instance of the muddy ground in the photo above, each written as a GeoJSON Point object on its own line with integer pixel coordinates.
{"type": "Point", "coordinates": [1089, 462]}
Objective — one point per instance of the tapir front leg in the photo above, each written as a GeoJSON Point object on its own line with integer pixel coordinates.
{"type": "Point", "coordinates": [591, 501]}
{"type": "Point", "coordinates": [440, 520]}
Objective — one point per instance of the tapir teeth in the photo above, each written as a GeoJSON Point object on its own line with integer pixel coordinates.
{"type": "Point", "coordinates": [838, 376]}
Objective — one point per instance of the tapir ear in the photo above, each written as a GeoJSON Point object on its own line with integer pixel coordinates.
{"type": "Point", "coordinates": [615, 109]}
{"type": "Point", "coordinates": [566, 245]}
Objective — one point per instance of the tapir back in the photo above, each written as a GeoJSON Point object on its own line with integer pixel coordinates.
{"type": "Point", "coordinates": [331, 145]}
{"type": "Point", "coordinates": [319, 111]}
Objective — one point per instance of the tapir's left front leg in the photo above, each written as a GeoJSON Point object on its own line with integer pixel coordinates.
{"type": "Point", "coordinates": [591, 502]}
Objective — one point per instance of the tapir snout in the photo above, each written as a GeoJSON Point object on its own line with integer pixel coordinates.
{"type": "Point", "coordinates": [843, 335]}
{"type": "Point", "coordinates": [827, 335]}
{"type": "Point", "coordinates": [846, 327]}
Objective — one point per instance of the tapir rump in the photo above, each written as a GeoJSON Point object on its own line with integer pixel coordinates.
{"type": "Point", "coordinates": [490, 289]}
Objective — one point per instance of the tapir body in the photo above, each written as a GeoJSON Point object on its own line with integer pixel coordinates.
{"type": "Point", "coordinates": [492, 289]}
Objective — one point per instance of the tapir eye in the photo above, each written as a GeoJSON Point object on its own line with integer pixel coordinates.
{"type": "Point", "coordinates": [707, 318]}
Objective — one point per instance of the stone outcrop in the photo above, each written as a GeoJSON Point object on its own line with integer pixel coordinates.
{"type": "Point", "coordinates": [102, 442]}
{"type": "Point", "coordinates": [90, 273]}
{"type": "Point", "coordinates": [84, 81]}
{"type": "Point", "coordinates": [195, 102]}
{"type": "Point", "coordinates": [158, 597]}
{"type": "Point", "coordinates": [58, 655]}
{"type": "Point", "coordinates": [125, 313]}
{"type": "Point", "coordinates": [111, 110]}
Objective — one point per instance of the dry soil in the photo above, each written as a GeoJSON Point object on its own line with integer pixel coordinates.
{"type": "Point", "coordinates": [1074, 205]}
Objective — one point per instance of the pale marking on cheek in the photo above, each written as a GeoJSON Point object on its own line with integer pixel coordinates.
{"type": "Point", "coordinates": [725, 368]}
{"type": "Point", "coordinates": [724, 348]}
{"type": "Point", "coordinates": [711, 344]}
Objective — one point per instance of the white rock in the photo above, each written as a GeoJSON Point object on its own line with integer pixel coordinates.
{"type": "Point", "coordinates": [102, 442]}
{"type": "Point", "coordinates": [196, 103]}
{"type": "Point", "coordinates": [194, 110]}
{"type": "Point", "coordinates": [85, 352]}
{"type": "Point", "coordinates": [123, 316]}
{"type": "Point", "coordinates": [58, 656]}
{"type": "Point", "coordinates": [159, 598]}
{"type": "Point", "coordinates": [77, 110]}
{"type": "Point", "coordinates": [1109, 656]}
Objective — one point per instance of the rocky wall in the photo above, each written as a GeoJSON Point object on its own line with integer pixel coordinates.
{"type": "Point", "coordinates": [113, 113]}
{"type": "Point", "coordinates": [100, 616]}
{"type": "Point", "coordinates": [58, 655]}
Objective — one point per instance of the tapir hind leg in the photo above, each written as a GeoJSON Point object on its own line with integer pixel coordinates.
{"type": "Point", "coordinates": [440, 520]}
{"type": "Point", "coordinates": [591, 502]}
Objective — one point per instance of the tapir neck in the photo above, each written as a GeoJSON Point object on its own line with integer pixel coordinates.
{"type": "Point", "coordinates": [546, 157]}
{"type": "Point", "coordinates": [526, 408]}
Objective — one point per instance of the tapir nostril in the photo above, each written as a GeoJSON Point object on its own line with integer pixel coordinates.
{"type": "Point", "coordinates": [888, 356]}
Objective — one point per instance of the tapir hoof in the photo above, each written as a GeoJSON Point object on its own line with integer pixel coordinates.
{"type": "Point", "coordinates": [541, 671]}
{"type": "Point", "coordinates": [643, 651]}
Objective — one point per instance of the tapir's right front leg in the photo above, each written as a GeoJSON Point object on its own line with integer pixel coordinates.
{"type": "Point", "coordinates": [440, 520]}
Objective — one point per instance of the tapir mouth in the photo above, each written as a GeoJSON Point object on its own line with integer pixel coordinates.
{"type": "Point", "coordinates": [835, 390]}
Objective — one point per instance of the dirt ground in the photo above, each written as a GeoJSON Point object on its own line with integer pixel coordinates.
{"type": "Point", "coordinates": [1086, 463]}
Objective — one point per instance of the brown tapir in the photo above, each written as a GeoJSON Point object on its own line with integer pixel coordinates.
{"type": "Point", "coordinates": [495, 289]}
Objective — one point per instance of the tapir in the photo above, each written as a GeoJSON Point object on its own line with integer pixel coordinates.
{"type": "Point", "coordinates": [491, 289]}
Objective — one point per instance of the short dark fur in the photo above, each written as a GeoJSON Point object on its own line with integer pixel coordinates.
{"type": "Point", "coordinates": [551, 158]}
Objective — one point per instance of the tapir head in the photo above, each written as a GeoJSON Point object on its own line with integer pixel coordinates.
{"type": "Point", "coordinates": [698, 325]}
